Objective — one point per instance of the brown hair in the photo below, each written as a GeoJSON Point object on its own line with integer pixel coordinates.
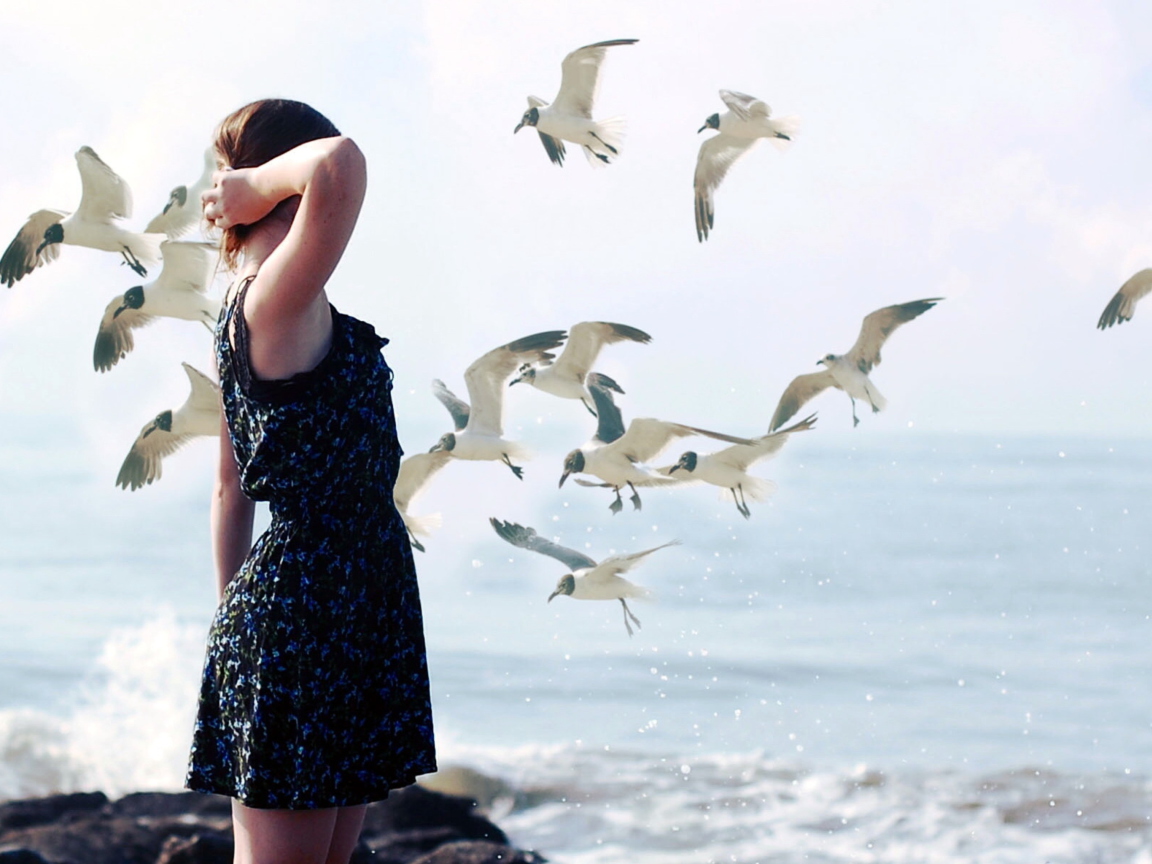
{"type": "Point", "coordinates": [257, 133]}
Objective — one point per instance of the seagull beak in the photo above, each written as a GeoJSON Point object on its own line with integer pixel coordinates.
{"type": "Point", "coordinates": [436, 448]}
{"type": "Point", "coordinates": [149, 431]}
{"type": "Point", "coordinates": [116, 314]}
{"type": "Point", "coordinates": [515, 380]}
{"type": "Point", "coordinates": [519, 126]}
{"type": "Point", "coordinates": [674, 469]}
{"type": "Point", "coordinates": [563, 477]}
{"type": "Point", "coordinates": [702, 128]}
{"type": "Point", "coordinates": [553, 594]}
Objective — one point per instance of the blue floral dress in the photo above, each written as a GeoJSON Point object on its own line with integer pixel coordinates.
{"type": "Point", "coordinates": [315, 687]}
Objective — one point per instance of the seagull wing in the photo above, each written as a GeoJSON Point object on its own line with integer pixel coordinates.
{"type": "Point", "coordinates": [744, 106]}
{"type": "Point", "coordinates": [182, 213]}
{"type": "Point", "coordinates": [104, 195]}
{"type": "Point", "coordinates": [879, 325]}
{"type": "Point", "coordinates": [456, 406]}
{"type": "Point", "coordinates": [1122, 306]}
{"type": "Point", "coordinates": [21, 257]}
{"type": "Point", "coordinates": [161, 437]}
{"type": "Point", "coordinates": [488, 375]}
{"type": "Point", "coordinates": [114, 339]}
{"type": "Point", "coordinates": [527, 538]}
{"type": "Point", "coordinates": [744, 456]}
{"type": "Point", "coordinates": [716, 156]}
{"type": "Point", "coordinates": [581, 78]}
{"type": "Point", "coordinates": [415, 473]}
{"type": "Point", "coordinates": [617, 564]}
{"type": "Point", "coordinates": [646, 438]}
{"type": "Point", "coordinates": [188, 266]}
{"type": "Point", "coordinates": [585, 341]}
{"type": "Point", "coordinates": [802, 388]}
{"type": "Point", "coordinates": [609, 420]}
{"type": "Point", "coordinates": [554, 147]}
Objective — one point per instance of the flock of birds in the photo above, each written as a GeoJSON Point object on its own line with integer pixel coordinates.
{"type": "Point", "coordinates": [618, 456]}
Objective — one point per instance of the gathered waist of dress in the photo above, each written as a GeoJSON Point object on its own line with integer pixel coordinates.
{"type": "Point", "coordinates": [355, 505]}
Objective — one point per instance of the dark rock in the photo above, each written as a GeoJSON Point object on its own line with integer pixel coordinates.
{"type": "Point", "coordinates": [478, 852]}
{"type": "Point", "coordinates": [400, 847]}
{"type": "Point", "coordinates": [414, 808]}
{"type": "Point", "coordinates": [198, 849]}
{"type": "Point", "coordinates": [20, 856]}
{"type": "Point", "coordinates": [41, 811]}
{"type": "Point", "coordinates": [170, 804]}
{"type": "Point", "coordinates": [90, 841]}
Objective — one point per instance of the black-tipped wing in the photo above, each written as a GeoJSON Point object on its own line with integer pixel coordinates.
{"type": "Point", "coordinates": [716, 156]}
{"type": "Point", "coordinates": [104, 196]}
{"type": "Point", "coordinates": [586, 339]}
{"type": "Point", "coordinates": [879, 325]}
{"type": "Point", "coordinates": [416, 471]}
{"type": "Point", "coordinates": [580, 79]}
{"type": "Point", "coordinates": [21, 257]}
{"type": "Point", "coordinates": [456, 406]}
{"type": "Point", "coordinates": [527, 538]}
{"type": "Point", "coordinates": [488, 375]}
{"type": "Point", "coordinates": [554, 147]}
{"type": "Point", "coordinates": [802, 388]}
{"type": "Point", "coordinates": [744, 106]}
{"type": "Point", "coordinates": [1122, 306]}
{"type": "Point", "coordinates": [647, 438]}
{"type": "Point", "coordinates": [609, 420]}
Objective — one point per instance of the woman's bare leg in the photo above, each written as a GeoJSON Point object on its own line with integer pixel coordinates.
{"type": "Point", "coordinates": [282, 836]}
{"type": "Point", "coordinates": [346, 834]}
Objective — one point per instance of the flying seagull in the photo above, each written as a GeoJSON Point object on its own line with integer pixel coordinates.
{"type": "Point", "coordinates": [849, 372]}
{"type": "Point", "coordinates": [480, 426]}
{"type": "Point", "coordinates": [728, 468]}
{"type": "Point", "coordinates": [570, 376]}
{"type": "Point", "coordinates": [183, 211]}
{"type": "Point", "coordinates": [569, 117]}
{"type": "Point", "coordinates": [415, 473]}
{"type": "Point", "coordinates": [618, 457]}
{"type": "Point", "coordinates": [171, 430]}
{"type": "Point", "coordinates": [588, 580]}
{"type": "Point", "coordinates": [1122, 307]}
{"type": "Point", "coordinates": [104, 199]}
{"type": "Point", "coordinates": [746, 121]}
{"type": "Point", "coordinates": [180, 291]}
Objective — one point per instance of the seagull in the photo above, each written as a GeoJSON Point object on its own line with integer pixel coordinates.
{"type": "Point", "coordinates": [171, 430]}
{"type": "Point", "coordinates": [178, 292]}
{"type": "Point", "coordinates": [104, 199]}
{"type": "Point", "coordinates": [588, 580]}
{"type": "Point", "coordinates": [569, 117]}
{"type": "Point", "coordinates": [414, 474]}
{"type": "Point", "coordinates": [746, 121]}
{"type": "Point", "coordinates": [617, 456]}
{"type": "Point", "coordinates": [728, 468]}
{"type": "Point", "coordinates": [570, 375]}
{"type": "Point", "coordinates": [1122, 307]}
{"type": "Point", "coordinates": [183, 211]}
{"type": "Point", "coordinates": [480, 427]}
{"type": "Point", "coordinates": [849, 372]}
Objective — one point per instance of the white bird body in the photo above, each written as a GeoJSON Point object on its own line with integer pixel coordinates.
{"type": "Point", "coordinates": [105, 198]}
{"type": "Point", "coordinates": [1122, 306]}
{"type": "Point", "coordinates": [588, 580]}
{"type": "Point", "coordinates": [171, 430]}
{"type": "Point", "coordinates": [728, 468]}
{"type": "Point", "coordinates": [180, 291]}
{"type": "Point", "coordinates": [569, 116]}
{"type": "Point", "coordinates": [849, 371]}
{"type": "Point", "coordinates": [746, 121]}
{"type": "Point", "coordinates": [183, 210]}
{"type": "Point", "coordinates": [479, 431]}
{"type": "Point", "coordinates": [569, 377]}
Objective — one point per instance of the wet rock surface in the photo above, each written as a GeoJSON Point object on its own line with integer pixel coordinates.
{"type": "Point", "coordinates": [413, 824]}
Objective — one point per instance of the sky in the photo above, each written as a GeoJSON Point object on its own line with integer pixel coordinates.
{"type": "Point", "coordinates": [992, 154]}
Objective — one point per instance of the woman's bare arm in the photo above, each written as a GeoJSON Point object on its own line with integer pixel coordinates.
{"type": "Point", "coordinates": [232, 515]}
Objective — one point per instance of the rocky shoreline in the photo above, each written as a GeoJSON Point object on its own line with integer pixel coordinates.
{"type": "Point", "coordinates": [413, 826]}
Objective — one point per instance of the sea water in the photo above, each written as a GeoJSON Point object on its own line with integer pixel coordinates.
{"type": "Point", "coordinates": [923, 648]}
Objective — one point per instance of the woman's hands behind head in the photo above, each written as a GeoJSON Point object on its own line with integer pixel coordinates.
{"type": "Point", "coordinates": [236, 198]}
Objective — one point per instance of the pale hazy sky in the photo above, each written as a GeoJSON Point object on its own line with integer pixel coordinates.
{"type": "Point", "coordinates": [994, 154]}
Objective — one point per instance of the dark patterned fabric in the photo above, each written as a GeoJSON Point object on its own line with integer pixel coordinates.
{"type": "Point", "coordinates": [315, 688]}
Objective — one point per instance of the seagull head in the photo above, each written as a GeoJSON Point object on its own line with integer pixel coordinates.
{"type": "Point", "coordinates": [573, 464]}
{"type": "Point", "coordinates": [687, 462]}
{"type": "Point", "coordinates": [527, 375]}
{"type": "Point", "coordinates": [133, 299]}
{"type": "Point", "coordinates": [447, 442]}
{"type": "Point", "coordinates": [712, 122]}
{"type": "Point", "coordinates": [54, 234]}
{"type": "Point", "coordinates": [163, 422]}
{"type": "Point", "coordinates": [566, 585]}
{"type": "Point", "coordinates": [827, 360]}
{"type": "Point", "coordinates": [531, 118]}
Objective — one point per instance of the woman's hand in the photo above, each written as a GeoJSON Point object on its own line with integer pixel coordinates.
{"type": "Point", "coordinates": [236, 198]}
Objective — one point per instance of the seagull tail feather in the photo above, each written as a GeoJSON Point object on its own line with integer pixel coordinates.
{"type": "Point", "coordinates": [611, 133]}
{"type": "Point", "coordinates": [786, 126]}
{"type": "Point", "coordinates": [754, 489]}
{"type": "Point", "coordinates": [424, 525]}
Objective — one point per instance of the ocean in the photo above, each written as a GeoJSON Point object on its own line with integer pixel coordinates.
{"type": "Point", "coordinates": [923, 648]}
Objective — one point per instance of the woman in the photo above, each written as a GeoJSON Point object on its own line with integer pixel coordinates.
{"type": "Point", "coordinates": [315, 692]}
